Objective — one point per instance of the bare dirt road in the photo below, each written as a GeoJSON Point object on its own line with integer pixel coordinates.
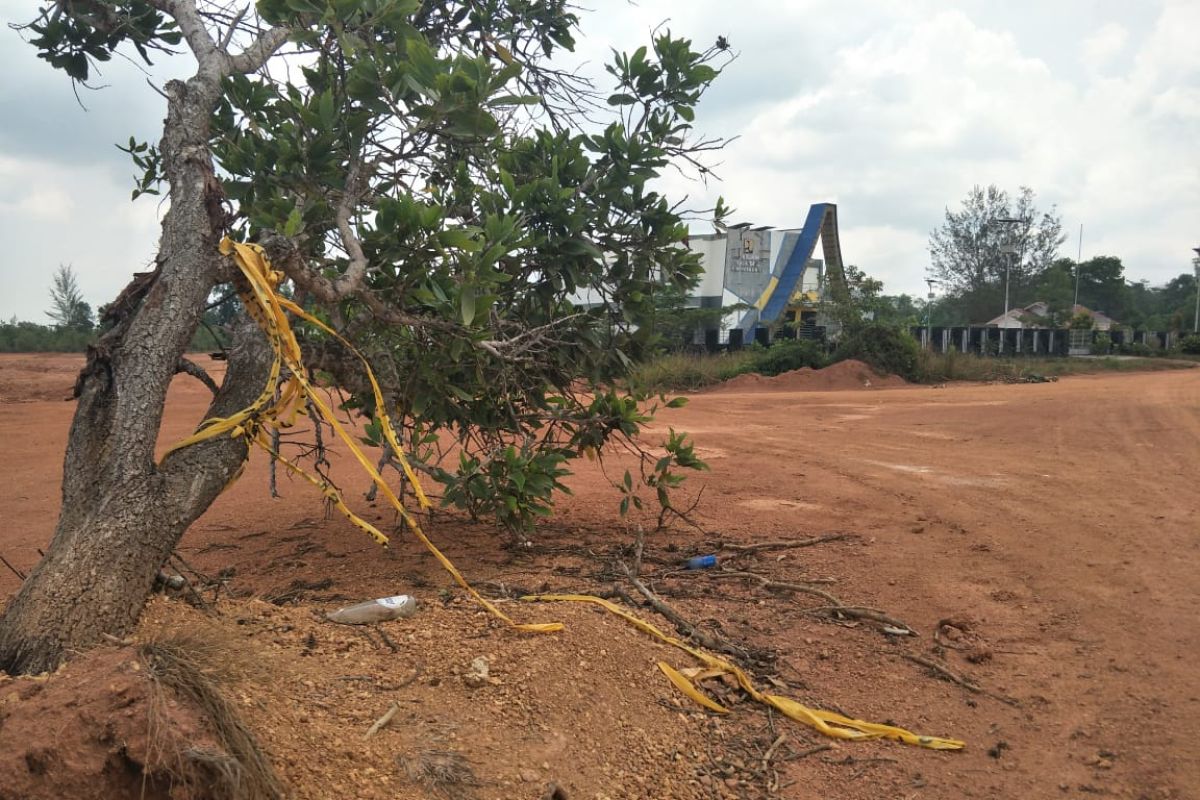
{"type": "Point", "coordinates": [1057, 526]}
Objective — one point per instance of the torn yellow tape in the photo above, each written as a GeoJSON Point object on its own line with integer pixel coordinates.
{"type": "Point", "coordinates": [826, 722]}
{"type": "Point", "coordinates": [279, 404]}
{"type": "Point", "coordinates": [687, 687]}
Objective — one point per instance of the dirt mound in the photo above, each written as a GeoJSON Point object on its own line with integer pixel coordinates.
{"type": "Point", "coordinates": [84, 732]}
{"type": "Point", "coordinates": [585, 710]}
{"type": "Point", "coordinates": [842, 376]}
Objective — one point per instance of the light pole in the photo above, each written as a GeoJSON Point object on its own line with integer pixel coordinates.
{"type": "Point", "coordinates": [1196, 267]}
{"type": "Point", "coordinates": [1078, 265]}
{"type": "Point", "coordinates": [1009, 248]}
{"type": "Point", "coordinates": [929, 313]}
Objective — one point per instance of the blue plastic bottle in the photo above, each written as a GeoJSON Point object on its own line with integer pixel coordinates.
{"type": "Point", "coordinates": [701, 562]}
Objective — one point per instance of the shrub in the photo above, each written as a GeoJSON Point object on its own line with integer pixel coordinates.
{"type": "Point", "coordinates": [1102, 345]}
{"type": "Point", "coordinates": [886, 348]}
{"type": "Point", "coordinates": [1139, 349]}
{"type": "Point", "coordinates": [786, 356]}
{"type": "Point", "coordinates": [1190, 345]}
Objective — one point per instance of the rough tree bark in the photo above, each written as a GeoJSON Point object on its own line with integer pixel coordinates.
{"type": "Point", "coordinates": [122, 514]}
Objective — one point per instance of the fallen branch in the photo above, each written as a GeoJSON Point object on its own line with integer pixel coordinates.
{"type": "Point", "coordinates": [684, 627]}
{"type": "Point", "coordinates": [946, 673]}
{"type": "Point", "coordinates": [382, 721]}
{"type": "Point", "coordinates": [861, 612]}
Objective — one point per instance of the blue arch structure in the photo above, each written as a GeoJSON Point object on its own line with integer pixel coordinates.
{"type": "Point", "coordinates": [821, 223]}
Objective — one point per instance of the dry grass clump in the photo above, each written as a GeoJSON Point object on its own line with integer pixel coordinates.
{"type": "Point", "coordinates": [194, 665]}
{"type": "Point", "coordinates": [441, 772]}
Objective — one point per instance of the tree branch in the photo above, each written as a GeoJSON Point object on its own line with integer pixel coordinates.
{"type": "Point", "coordinates": [253, 57]}
{"type": "Point", "coordinates": [189, 367]}
{"type": "Point", "coordinates": [185, 13]}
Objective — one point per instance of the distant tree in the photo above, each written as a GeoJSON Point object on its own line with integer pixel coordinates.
{"type": "Point", "coordinates": [901, 309]}
{"type": "Point", "coordinates": [1056, 287]}
{"type": "Point", "coordinates": [855, 297]}
{"type": "Point", "coordinates": [68, 309]}
{"type": "Point", "coordinates": [970, 251]}
{"type": "Point", "coordinates": [1102, 286]}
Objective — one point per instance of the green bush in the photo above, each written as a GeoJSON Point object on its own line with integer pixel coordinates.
{"type": "Point", "coordinates": [884, 347]}
{"type": "Point", "coordinates": [1139, 349]}
{"type": "Point", "coordinates": [786, 356]}
{"type": "Point", "coordinates": [1190, 345]}
{"type": "Point", "coordinates": [1102, 344]}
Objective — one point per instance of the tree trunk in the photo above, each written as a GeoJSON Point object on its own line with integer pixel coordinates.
{"type": "Point", "coordinates": [122, 514]}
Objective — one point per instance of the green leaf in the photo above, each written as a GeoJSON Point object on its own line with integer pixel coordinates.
{"type": "Point", "coordinates": [677, 402]}
{"type": "Point", "coordinates": [293, 224]}
{"type": "Point", "coordinates": [325, 109]}
{"type": "Point", "coordinates": [467, 300]}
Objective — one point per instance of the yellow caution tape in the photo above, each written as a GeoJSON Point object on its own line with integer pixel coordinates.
{"type": "Point", "coordinates": [279, 404]}
{"type": "Point", "coordinates": [825, 722]}
{"type": "Point", "coordinates": [687, 687]}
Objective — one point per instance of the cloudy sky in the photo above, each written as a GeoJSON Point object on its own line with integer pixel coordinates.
{"type": "Point", "coordinates": [891, 110]}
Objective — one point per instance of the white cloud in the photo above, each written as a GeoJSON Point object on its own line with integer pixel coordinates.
{"type": "Point", "coordinates": [1104, 44]}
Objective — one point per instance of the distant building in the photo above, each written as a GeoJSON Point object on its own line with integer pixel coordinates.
{"type": "Point", "coordinates": [1037, 315]}
{"type": "Point", "coordinates": [771, 274]}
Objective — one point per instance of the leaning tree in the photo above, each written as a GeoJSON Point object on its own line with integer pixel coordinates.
{"type": "Point", "coordinates": [437, 190]}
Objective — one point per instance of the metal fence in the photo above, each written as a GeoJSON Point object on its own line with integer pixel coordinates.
{"type": "Point", "coordinates": [1033, 341]}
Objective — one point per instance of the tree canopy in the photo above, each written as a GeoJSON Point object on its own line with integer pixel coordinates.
{"type": "Point", "coordinates": [431, 184]}
{"type": "Point", "coordinates": [992, 234]}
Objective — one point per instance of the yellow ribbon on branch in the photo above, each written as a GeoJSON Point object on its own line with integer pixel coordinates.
{"type": "Point", "coordinates": [280, 403]}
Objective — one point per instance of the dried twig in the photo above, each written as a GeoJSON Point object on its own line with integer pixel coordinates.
{"type": "Point", "coordinates": [812, 751]}
{"type": "Point", "coordinates": [953, 677]}
{"type": "Point", "coordinates": [382, 721]}
{"type": "Point", "coordinates": [767, 583]}
{"type": "Point", "coordinates": [860, 612]}
{"type": "Point", "coordinates": [15, 571]}
{"type": "Point", "coordinates": [638, 547]}
{"type": "Point", "coordinates": [746, 549]}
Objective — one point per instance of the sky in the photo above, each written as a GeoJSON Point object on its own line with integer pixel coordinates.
{"type": "Point", "coordinates": [891, 110]}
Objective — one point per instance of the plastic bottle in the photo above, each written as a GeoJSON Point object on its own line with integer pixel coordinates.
{"type": "Point", "coordinates": [379, 610]}
{"type": "Point", "coordinates": [701, 562]}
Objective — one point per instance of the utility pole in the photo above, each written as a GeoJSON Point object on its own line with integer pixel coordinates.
{"type": "Point", "coordinates": [1196, 267]}
{"type": "Point", "coordinates": [929, 314]}
{"type": "Point", "coordinates": [1078, 265]}
{"type": "Point", "coordinates": [1009, 248]}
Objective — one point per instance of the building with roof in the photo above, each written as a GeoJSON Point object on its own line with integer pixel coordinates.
{"type": "Point", "coordinates": [1037, 315]}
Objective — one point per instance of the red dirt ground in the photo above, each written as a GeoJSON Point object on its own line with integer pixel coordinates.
{"type": "Point", "coordinates": [1056, 522]}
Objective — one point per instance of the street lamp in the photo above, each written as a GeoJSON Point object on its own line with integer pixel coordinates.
{"type": "Point", "coordinates": [929, 313]}
{"type": "Point", "coordinates": [1008, 248]}
{"type": "Point", "coordinates": [1196, 267]}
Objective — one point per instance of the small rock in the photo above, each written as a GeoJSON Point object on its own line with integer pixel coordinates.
{"type": "Point", "coordinates": [529, 776]}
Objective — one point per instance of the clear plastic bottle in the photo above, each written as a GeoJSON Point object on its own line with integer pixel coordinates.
{"type": "Point", "coordinates": [378, 610]}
